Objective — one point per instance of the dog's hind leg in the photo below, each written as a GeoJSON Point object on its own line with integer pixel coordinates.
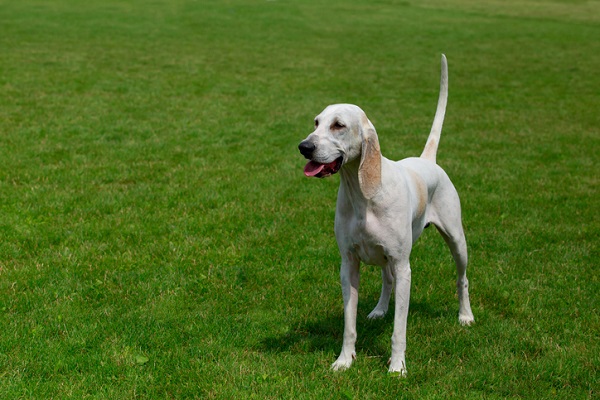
{"type": "Point", "coordinates": [387, 285]}
{"type": "Point", "coordinates": [449, 224]}
{"type": "Point", "coordinates": [453, 234]}
{"type": "Point", "coordinates": [458, 247]}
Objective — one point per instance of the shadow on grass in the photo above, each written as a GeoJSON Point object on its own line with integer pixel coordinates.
{"type": "Point", "coordinates": [325, 334]}
{"type": "Point", "coordinates": [321, 335]}
{"type": "Point", "coordinates": [426, 309]}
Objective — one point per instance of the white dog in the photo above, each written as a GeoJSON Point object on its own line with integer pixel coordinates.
{"type": "Point", "coordinates": [382, 208]}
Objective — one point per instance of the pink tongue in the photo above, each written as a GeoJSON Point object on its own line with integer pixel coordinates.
{"type": "Point", "coordinates": [313, 168]}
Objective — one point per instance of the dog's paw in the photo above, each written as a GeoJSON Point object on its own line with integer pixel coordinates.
{"type": "Point", "coordinates": [398, 369]}
{"type": "Point", "coordinates": [343, 362]}
{"type": "Point", "coordinates": [466, 320]}
{"type": "Point", "coordinates": [377, 314]}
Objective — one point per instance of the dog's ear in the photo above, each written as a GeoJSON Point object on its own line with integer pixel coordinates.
{"type": "Point", "coordinates": [369, 171]}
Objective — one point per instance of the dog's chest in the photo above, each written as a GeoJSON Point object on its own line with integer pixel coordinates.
{"type": "Point", "coordinates": [366, 240]}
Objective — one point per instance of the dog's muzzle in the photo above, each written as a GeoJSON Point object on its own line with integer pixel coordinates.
{"type": "Point", "coordinates": [317, 169]}
{"type": "Point", "coordinates": [307, 149]}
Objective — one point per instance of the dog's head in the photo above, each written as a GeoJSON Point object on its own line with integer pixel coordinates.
{"type": "Point", "coordinates": [344, 135]}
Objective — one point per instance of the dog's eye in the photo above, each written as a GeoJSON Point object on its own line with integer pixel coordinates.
{"type": "Point", "coordinates": [337, 125]}
{"type": "Point", "coordinates": [316, 123]}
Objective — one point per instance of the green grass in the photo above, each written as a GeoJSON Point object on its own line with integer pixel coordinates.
{"type": "Point", "coordinates": [158, 238]}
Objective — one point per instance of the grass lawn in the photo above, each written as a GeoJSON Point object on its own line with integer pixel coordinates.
{"type": "Point", "coordinates": [159, 240]}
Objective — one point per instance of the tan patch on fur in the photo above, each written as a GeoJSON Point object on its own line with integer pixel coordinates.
{"type": "Point", "coordinates": [369, 172]}
{"type": "Point", "coordinates": [421, 192]}
{"type": "Point", "coordinates": [364, 120]}
{"type": "Point", "coordinates": [430, 150]}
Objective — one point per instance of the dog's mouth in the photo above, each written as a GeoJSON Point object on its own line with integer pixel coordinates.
{"type": "Point", "coordinates": [319, 170]}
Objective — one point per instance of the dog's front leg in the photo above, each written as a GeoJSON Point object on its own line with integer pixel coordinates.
{"type": "Point", "coordinates": [402, 297]}
{"type": "Point", "coordinates": [349, 277]}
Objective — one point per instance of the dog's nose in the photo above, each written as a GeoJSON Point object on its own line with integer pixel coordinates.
{"type": "Point", "coordinates": [306, 148]}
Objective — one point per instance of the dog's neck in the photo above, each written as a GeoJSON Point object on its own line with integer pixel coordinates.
{"type": "Point", "coordinates": [349, 180]}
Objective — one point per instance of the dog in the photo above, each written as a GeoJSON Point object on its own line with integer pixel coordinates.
{"type": "Point", "coordinates": [382, 208]}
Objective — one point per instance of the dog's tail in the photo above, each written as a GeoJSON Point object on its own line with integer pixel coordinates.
{"type": "Point", "coordinates": [433, 140]}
